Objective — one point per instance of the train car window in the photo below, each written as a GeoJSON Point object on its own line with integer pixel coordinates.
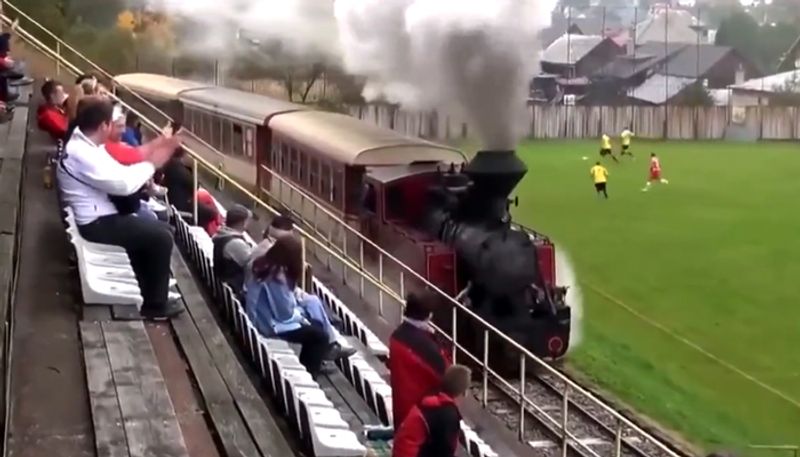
{"type": "Point", "coordinates": [294, 164]}
{"type": "Point", "coordinates": [313, 174]}
{"type": "Point", "coordinates": [216, 130]}
{"type": "Point", "coordinates": [325, 181]}
{"type": "Point", "coordinates": [302, 172]}
{"type": "Point", "coordinates": [227, 138]}
{"type": "Point", "coordinates": [206, 127]}
{"type": "Point", "coordinates": [238, 141]}
{"type": "Point", "coordinates": [248, 143]}
{"type": "Point", "coordinates": [284, 166]}
{"type": "Point", "coordinates": [336, 179]}
{"type": "Point", "coordinates": [273, 155]}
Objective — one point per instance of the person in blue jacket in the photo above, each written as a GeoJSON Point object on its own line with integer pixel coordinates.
{"type": "Point", "coordinates": [278, 307]}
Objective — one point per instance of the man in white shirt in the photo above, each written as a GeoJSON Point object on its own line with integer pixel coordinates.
{"type": "Point", "coordinates": [88, 176]}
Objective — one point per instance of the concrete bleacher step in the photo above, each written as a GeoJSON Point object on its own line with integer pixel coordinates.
{"type": "Point", "coordinates": [131, 408]}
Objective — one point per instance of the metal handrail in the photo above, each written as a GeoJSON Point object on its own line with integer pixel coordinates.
{"type": "Point", "coordinates": [199, 160]}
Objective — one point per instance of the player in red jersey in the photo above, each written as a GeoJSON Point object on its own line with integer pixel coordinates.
{"type": "Point", "coordinates": [655, 173]}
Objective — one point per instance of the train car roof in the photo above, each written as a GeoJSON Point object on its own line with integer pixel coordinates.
{"type": "Point", "coordinates": [154, 85]}
{"type": "Point", "coordinates": [390, 174]}
{"type": "Point", "coordinates": [348, 140]}
{"type": "Point", "coordinates": [236, 104]}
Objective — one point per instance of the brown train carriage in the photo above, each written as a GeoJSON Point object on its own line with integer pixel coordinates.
{"type": "Point", "coordinates": [161, 91]}
{"type": "Point", "coordinates": [234, 123]}
{"type": "Point", "coordinates": [370, 177]}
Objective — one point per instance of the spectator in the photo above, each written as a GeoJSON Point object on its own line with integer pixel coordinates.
{"type": "Point", "coordinates": [85, 86]}
{"type": "Point", "coordinates": [432, 427]}
{"type": "Point", "coordinates": [178, 180]}
{"type": "Point", "coordinates": [277, 307]}
{"type": "Point", "coordinates": [51, 116]}
{"type": "Point", "coordinates": [231, 249]}
{"type": "Point", "coordinates": [280, 226]}
{"type": "Point", "coordinates": [88, 176]}
{"type": "Point", "coordinates": [133, 130]}
{"type": "Point", "coordinates": [417, 361]}
{"type": "Point", "coordinates": [127, 155]}
{"type": "Point", "coordinates": [214, 221]}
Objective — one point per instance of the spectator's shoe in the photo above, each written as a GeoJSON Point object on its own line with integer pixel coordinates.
{"type": "Point", "coordinates": [162, 313]}
{"type": "Point", "coordinates": [337, 352]}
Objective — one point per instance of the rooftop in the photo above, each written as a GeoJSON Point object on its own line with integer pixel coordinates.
{"type": "Point", "coordinates": [570, 48]}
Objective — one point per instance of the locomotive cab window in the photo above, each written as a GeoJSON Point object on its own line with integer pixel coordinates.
{"type": "Point", "coordinates": [394, 203]}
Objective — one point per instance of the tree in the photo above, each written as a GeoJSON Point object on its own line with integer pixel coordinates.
{"type": "Point", "coordinates": [697, 95]}
{"type": "Point", "coordinates": [775, 40]}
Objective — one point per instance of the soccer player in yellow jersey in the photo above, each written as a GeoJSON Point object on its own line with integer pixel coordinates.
{"type": "Point", "coordinates": [605, 147]}
{"type": "Point", "coordinates": [625, 138]}
{"type": "Point", "coordinates": [599, 174]}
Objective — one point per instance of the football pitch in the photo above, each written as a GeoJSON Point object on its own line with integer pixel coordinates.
{"type": "Point", "coordinates": [691, 291]}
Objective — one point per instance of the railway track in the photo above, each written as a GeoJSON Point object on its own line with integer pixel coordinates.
{"type": "Point", "coordinates": [592, 431]}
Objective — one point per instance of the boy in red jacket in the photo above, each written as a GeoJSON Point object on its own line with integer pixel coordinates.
{"type": "Point", "coordinates": [51, 116]}
{"type": "Point", "coordinates": [417, 361]}
{"type": "Point", "coordinates": [432, 427]}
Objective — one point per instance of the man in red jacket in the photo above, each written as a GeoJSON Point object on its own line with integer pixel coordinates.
{"type": "Point", "coordinates": [432, 427]}
{"type": "Point", "coordinates": [51, 116]}
{"type": "Point", "coordinates": [417, 361]}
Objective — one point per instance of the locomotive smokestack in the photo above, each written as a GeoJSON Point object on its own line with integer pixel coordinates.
{"type": "Point", "coordinates": [494, 175]}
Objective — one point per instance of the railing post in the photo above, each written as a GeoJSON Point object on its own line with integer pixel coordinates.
{"type": "Point", "coordinates": [618, 439]}
{"type": "Point", "coordinates": [380, 289]}
{"type": "Point", "coordinates": [330, 243]}
{"type": "Point", "coordinates": [485, 385]}
{"type": "Point", "coordinates": [564, 413]}
{"type": "Point", "coordinates": [455, 334]}
{"type": "Point", "coordinates": [305, 265]}
{"type": "Point", "coordinates": [361, 269]}
{"type": "Point", "coordinates": [522, 382]}
{"type": "Point", "coordinates": [58, 60]}
{"type": "Point", "coordinates": [194, 201]}
{"type": "Point", "coordinates": [346, 255]}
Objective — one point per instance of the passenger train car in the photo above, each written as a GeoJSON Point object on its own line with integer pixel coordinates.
{"type": "Point", "coordinates": [422, 202]}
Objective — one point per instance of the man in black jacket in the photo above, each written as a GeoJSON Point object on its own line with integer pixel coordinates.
{"type": "Point", "coordinates": [231, 249]}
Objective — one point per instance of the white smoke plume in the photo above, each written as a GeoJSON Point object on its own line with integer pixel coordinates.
{"type": "Point", "coordinates": [566, 276]}
{"type": "Point", "coordinates": [472, 58]}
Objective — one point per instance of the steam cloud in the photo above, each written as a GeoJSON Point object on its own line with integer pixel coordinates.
{"type": "Point", "coordinates": [472, 58]}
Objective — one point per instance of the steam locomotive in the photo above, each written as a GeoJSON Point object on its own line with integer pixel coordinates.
{"type": "Point", "coordinates": [444, 217]}
{"type": "Point", "coordinates": [508, 272]}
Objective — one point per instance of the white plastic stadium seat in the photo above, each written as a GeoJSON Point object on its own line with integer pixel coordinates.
{"type": "Point", "coordinates": [105, 270]}
{"type": "Point", "coordinates": [353, 326]}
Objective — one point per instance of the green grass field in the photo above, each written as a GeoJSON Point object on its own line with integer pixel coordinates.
{"type": "Point", "coordinates": [691, 291]}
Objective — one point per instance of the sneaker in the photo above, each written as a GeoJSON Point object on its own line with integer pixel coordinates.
{"type": "Point", "coordinates": [163, 312]}
{"type": "Point", "coordinates": [337, 352]}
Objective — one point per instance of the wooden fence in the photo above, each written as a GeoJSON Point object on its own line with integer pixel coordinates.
{"type": "Point", "coordinates": [576, 122]}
